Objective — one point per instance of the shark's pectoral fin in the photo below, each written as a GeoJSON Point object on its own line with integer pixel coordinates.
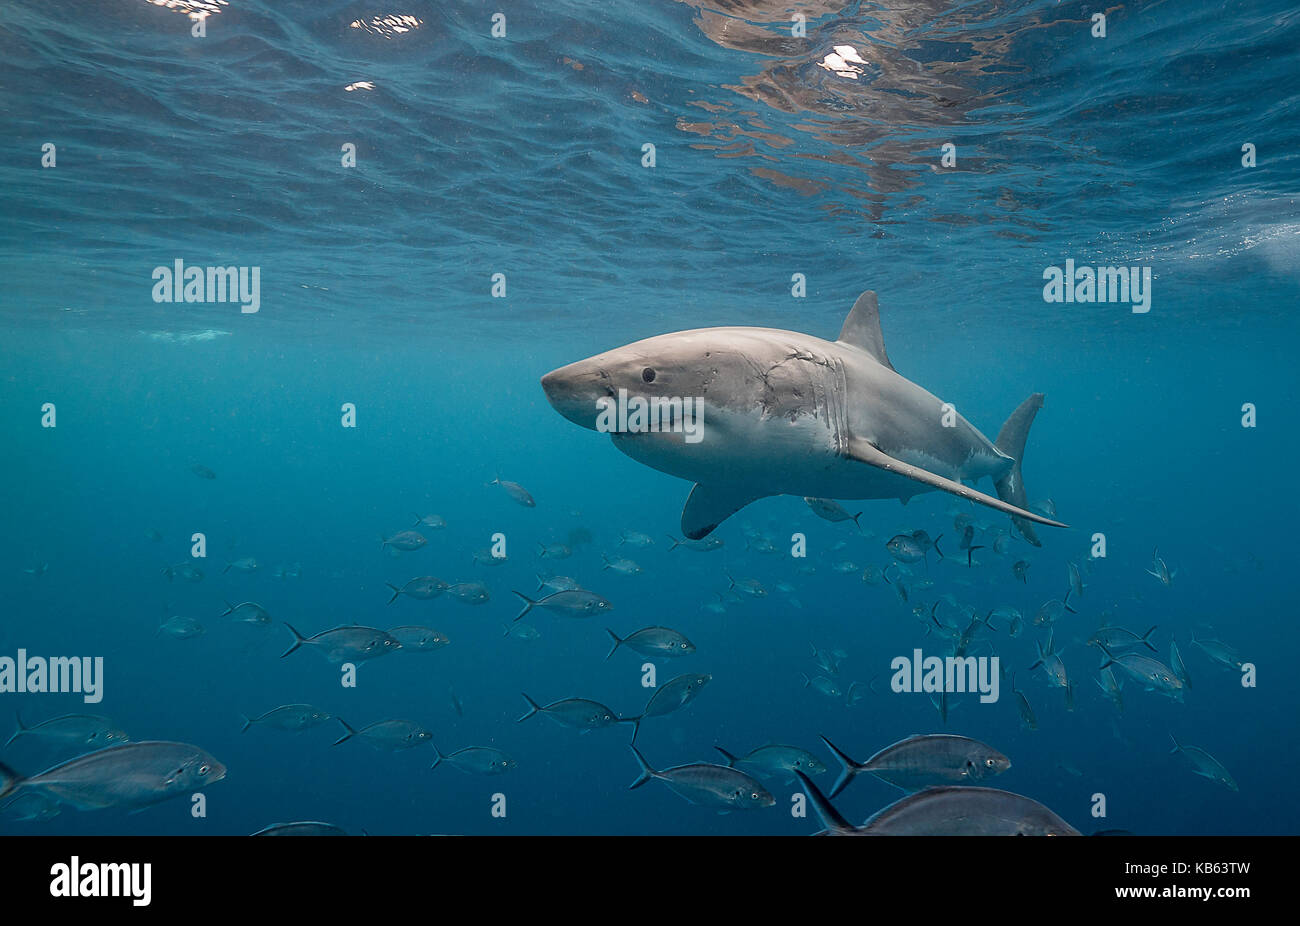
{"type": "Point", "coordinates": [866, 452]}
{"type": "Point", "coordinates": [709, 506]}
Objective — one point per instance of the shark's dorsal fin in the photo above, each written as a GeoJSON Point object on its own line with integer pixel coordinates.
{"type": "Point", "coordinates": [709, 506]}
{"type": "Point", "coordinates": [862, 329]}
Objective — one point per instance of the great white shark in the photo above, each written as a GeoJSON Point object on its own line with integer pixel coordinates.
{"type": "Point", "coordinates": [785, 413]}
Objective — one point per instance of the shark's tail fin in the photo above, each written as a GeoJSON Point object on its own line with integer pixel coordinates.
{"type": "Point", "coordinates": [1011, 441]}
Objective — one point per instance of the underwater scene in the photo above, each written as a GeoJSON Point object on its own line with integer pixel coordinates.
{"type": "Point", "coordinates": [742, 418]}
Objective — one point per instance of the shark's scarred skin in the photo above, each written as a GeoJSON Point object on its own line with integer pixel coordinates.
{"type": "Point", "coordinates": [786, 413]}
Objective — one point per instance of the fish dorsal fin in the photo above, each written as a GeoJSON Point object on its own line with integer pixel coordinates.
{"type": "Point", "coordinates": [862, 329]}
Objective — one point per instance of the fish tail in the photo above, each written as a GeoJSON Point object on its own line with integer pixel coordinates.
{"type": "Point", "coordinates": [1145, 639]}
{"type": "Point", "coordinates": [227, 569]}
{"type": "Point", "coordinates": [396, 591]}
{"type": "Point", "coordinates": [855, 522]}
{"type": "Point", "coordinates": [676, 543]}
{"type": "Point", "coordinates": [298, 639]}
{"type": "Point", "coordinates": [617, 643]}
{"type": "Point", "coordinates": [9, 780]}
{"type": "Point", "coordinates": [848, 768]}
{"type": "Point", "coordinates": [22, 728]}
{"type": "Point", "coordinates": [936, 546]}
{"type": "Point", "coordinates": [646, 771]}
{"type": "Point", "coordinates": [247, 723]}
{"type": "Point", "coordinates": [347, 736]}
{"type": "Point", "coordinates": [230, 609]}
{"type": "Point", "coordinates": [437, 759]}
{"type": "Point", "coordinates": [806, 680]}
{"type": "Point", "coordinates": [1177, 747]}
{"type": "Point", "coordinates": [970, 551]}
{"type": "Point", "coordinates": [731, 580]}
{"type": "Point", "coordinates": [533, 708]}
{"type": "Point", "coordinates": [1066, 602]}
{"type": "Point", "coordinates": [830, 817]}
{"type": "Point", "coordinates": [731, 760]}
{"type": "Point", "coordinates": [636, 725]}
{"type": "Point", "coordinates": [528, 604]}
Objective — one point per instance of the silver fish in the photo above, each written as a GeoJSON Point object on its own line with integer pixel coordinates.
{"type": "Point", "coordinates": [72, 730]}
{"type": "Point", "coordinates": [575, 603]}
{"type": "Point", "coordinates": [923, 761]}
{"type": "Point", "coordinates": [1220, 652]}
{"type": "Point", "coordinates": [406, 541]}
{"type": "Point", "coordinates": [577, 713]}
{"type": "Point", "coordinates": [302, 828]}
{"type": "Point", "coordinates": [476, 760]}
{"type": "Point", "coordinates": [515, 491]}
{"type": "Point", "coordinates": [832, 511]}
{"type": "Point", "coordinates": [652, 642]}
{"type": "Point", "coordinates": [129, 775]}
{"type": "Point", "coordinates": [775, 762]}
{"type": "Point", "coordinates": [952, 810]}
{"type": "Point", "coordinates": [1153, 674]}
{"type": "Point", "coordinates": [1204, 764]}
{"type": "Point", "coordinates": [247, 612]}
{"type": "Point", "coordinates": [624, 567]}
{"type": "Point", "coordinates": [415, 639]}
{"type": "Point", "coordinates": [469, 592]}
{"type": "Point", "coordinates": [421, 588]}
{"type": "Point", "coordinates": [346, 644]}
{"type": "Point", "coordinates": [179, 628]}
{"type": "Point", "coordinates": [751, 587]}
{"type": "Point", "coordinates": [291, 717]}
{"type": "Point", "coordinates": [671, 696]}
{"type": "Point", "coordinates": [707, 785]}
{"type": "Point", "coordinates": [388, 734]}
{"type": "Point", "coordinates": [703, 545]}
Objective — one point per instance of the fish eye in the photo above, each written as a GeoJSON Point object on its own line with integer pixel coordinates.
{"type": "Point", "coordinates": [753, 795]}
{"type": "Point", "coordinates": [204, 769]}
{"type": "Point", "coordinates": [648, 375]}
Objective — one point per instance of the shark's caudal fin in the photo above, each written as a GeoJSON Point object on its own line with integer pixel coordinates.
{"type": "Point", "coordinates": [1011, 441]}
{"type": "Point", "coordinates": [709, 506]}
{"type": "Point", "coordinates": [862, 329]}
{"type": "Point", "coordinates": [866, 452]}
{"type": "Point", "coordinates": [831, 818]}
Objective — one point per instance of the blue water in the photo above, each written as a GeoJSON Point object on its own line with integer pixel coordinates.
{"type": "Point", "coordinates": [522, 156]}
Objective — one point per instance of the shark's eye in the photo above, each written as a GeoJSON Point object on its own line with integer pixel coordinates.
{"type": "Point", "coordinates": [648, 374]}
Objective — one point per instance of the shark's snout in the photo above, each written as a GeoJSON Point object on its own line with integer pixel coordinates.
{"type": "Point", "coordinates": [574, 389]}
